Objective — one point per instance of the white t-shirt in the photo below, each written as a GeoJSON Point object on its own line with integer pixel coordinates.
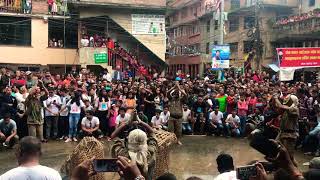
{"type": "Point", "coordinates": [120, 119]}
{"type": "Point", "coordinates": [231, 175]}
{"type": "Point", "coordinates": [74, 108]}
{"type": "Point", "coordinates": [31, 173]}
{"type": "Point", "coordinates": [185, 115]}
{"type": "Point", "coordinates": [49, 103]}
{"type": "Point", "coordinates": [85, 42]}
{"type": "Point", "coordinates": [157, 121]}
{"type": "Point", "coordinates": [235, 119]}
{"type": "Point", "coordinates": [64, 101]}
{"type": "Point", "coordinates": [216, 117]}
{"type": "Point", "coordinates": [165, 117]}
{"type": "Point", "coordinates": [90, 124]}
{"type": "Point", "coordinates": [108, 77]}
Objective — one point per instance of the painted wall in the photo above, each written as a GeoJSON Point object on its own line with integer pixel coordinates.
{"type": "Point", "coordinates": [38, 52]}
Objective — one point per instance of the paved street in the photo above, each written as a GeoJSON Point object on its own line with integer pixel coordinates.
{"type": "Point", "coordinates": [195, 157]}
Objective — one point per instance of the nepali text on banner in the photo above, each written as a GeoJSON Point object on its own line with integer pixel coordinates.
{"type": "Point", "coordinates": [299, 57]}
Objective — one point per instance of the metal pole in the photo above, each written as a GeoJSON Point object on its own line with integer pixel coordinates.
{"type": "Point", "coordinates": [64, 35]}
{"type": "Point", "coordinates": [258, 45]}
{"type": "Point", "coordinates": [221, 21]}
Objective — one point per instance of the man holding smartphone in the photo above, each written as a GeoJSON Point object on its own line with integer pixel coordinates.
{"type": "Point", "coordinates": [52, 106]}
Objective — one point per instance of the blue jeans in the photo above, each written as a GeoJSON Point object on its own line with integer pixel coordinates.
{"type": "Point", "coordinates": [242, 127]}
{"type": "Point", "coordinates": [73, 124]}
{"type": "Point", "coordinates": [186, 128]}
{"type": "Point", "coordinates": [232, 131]}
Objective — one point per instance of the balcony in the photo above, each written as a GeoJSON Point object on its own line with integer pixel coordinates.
{"type": "Point", "coordinates": [141, 4]}
{"type": "Point", "coordinates": [15, 6]}
{"type": "Point", "coordinates": [292, 27]}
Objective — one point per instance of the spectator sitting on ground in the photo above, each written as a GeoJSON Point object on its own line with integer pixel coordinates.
{"type": "Point", "coordinates": [90, 126]}
{"type": "Point", "coordinates": [216, 126]}
{"type": "Point", "coordinates": [143, 117]}
{"type": "Point", "coordinates": [8, 131]}
{"type": "Point", "coordinates": [165, 116]}
{"type": "Point", "coordinates": [157, 121]}
{"type": "Point", "coordinates": [123, 117]}
{"type": "Point", "coordinates": [232, 124]}
{"type": "Point", "coordinates": [28, 155]}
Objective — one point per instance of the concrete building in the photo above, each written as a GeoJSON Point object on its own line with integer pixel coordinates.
{"type": "Point", "coordinates": [28, 36]}
{"type": "Point", "coordinates": [241, 26]}
{"type": "Point", "coordinates": [25, 31]}
{"type": "Point", "coordinates": [191, 32]}
{"type": "Point", "coordinates": [115, 19]}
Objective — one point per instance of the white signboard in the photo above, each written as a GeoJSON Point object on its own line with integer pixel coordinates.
{"type": "Point", "coordinates": [286, 74]}
{"type": "Point", "coordinates": [148, 24]}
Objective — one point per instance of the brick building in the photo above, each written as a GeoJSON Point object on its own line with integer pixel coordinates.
{"type": "Point", "coordinates": [242, 17]}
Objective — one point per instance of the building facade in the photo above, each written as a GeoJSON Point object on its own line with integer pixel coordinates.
{"type": "Point", "coordinates": [26, 28]}
{"type": "Point", "coordinates": [44, 34]}
{"type": "Point", "coordinates": [191, 32]}
{"type": "Point", "coordinates": [242, 25]}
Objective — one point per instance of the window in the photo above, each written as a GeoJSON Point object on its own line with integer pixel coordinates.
{"type": "Point", "coordinates": [184, 13]}
{"type": "Point", "coordinates": [208, 26]}
{"type": "Point", "coordinates": [56, 33]}
{"type": "Point", "coordinates": [208, 48]}
{"type": "Point", "coordinates": [235, 4]}
{"type": "Point", "coordinates": [216, 24]}
{"type": "Point", "coordinates": [175, 33]}
{"type": "Point", "coordinates": [15, 31]}
{"type": "Point", "coordinates": [233, 24]}
{"type": "Point", "coordinates": [249, 22]}
{"type": "Point", "coordinates": [234, 48]}
{"type": "Point", "coordinates": [312, 3]}
{"type": "Point", "coordinates": [250, 2]}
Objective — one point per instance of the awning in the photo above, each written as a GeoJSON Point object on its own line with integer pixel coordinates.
{"type": "Point", "coordinates": [274, 67]}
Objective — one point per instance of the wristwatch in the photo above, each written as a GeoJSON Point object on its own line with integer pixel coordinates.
{"type": "Point", "coordinates": [140, 177]}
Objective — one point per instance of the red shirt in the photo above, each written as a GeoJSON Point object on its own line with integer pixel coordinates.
{"type": "Point", "coordinates": [19, 82]}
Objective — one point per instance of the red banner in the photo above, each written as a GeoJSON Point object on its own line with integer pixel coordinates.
{"type": "Point", "coordinates": [299, 57]}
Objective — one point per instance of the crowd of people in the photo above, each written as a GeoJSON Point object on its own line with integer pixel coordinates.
{"type": "Point", "coordinates": [115, 50]}
{"type": "Point", "coordinates": [57, 7]}
{"type": "Point", "coordinates": [55, 43]}
{"type": "Point", "coordinates": [17, 5]}
{"type": "Point", "coordinates": [297, 18]}
{"type": "Point", "coordinates": [78, 104]}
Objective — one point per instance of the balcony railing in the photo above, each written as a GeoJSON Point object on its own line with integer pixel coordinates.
{"type": "Point", "coordinates": [306, 26]}
{"type": "Point", "coordinates": [16, 6]}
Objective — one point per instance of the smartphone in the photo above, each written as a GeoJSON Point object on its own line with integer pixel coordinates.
{"type": "Point", "coordinates": [245, 172]}
{"type": "Point", "coordinates": [105, 165]}
{"type": "Point", "coordinates": [264, 146]}
{"type": "Point", "coordinates": [269, 166]}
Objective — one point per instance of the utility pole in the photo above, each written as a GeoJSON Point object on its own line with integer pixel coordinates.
{"type": "Point", "coordinates": [64, 35]}
{"type": "Point", "coordinates": [221, 21]}
{"type": "Point", "coordinates": [258, 43]}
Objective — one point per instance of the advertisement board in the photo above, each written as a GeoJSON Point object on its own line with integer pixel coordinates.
{"type": "Point", "coordinates": [220, 56]}
{"type": "Point", "coordinates": [299, 57]}
{"type": "Point", "coordinates": [148, 24]}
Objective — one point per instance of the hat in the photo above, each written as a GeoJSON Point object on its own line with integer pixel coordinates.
{"type": "Point", "coordinates": [313, 163]}
{"type": "Point", "coordinates": [28, 73]}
